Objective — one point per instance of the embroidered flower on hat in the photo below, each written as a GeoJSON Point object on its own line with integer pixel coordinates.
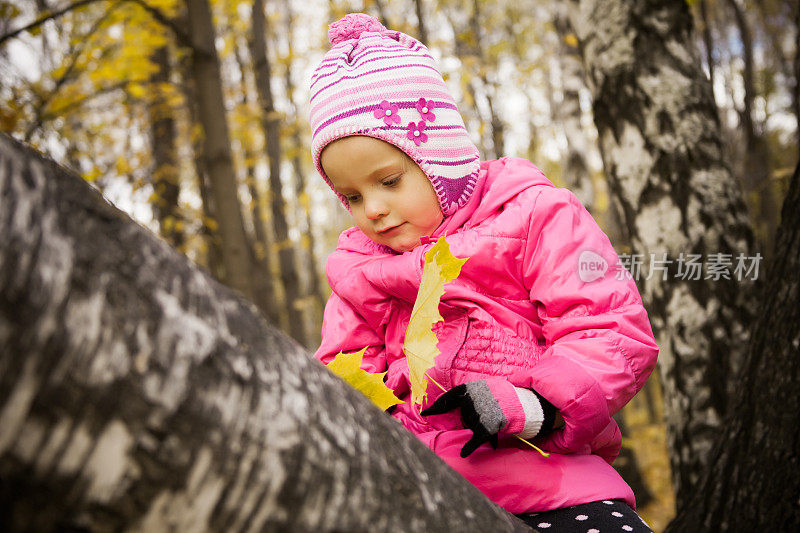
{"type": "Point", "coordinates": [388, 112]}
{"type": "Point", "coordinates": [416, 132]}
{"type": "Point", "coordinates": [425, 108]}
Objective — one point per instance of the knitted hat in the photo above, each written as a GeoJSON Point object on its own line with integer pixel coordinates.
{"type": "Point", "coordinates": [384, 84]}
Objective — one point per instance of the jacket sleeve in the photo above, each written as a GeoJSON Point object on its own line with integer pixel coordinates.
{"type": "Point", "coordinates": [344, 330]}
{"type": "Point", "coordinates": [599, 347]}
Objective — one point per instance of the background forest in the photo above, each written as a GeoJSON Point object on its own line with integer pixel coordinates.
{"type": "Point", "coordinates": [190, 115]}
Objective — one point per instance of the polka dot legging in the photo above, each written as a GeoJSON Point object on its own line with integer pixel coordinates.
{"type": "Point", "coordinates": [595, 517]}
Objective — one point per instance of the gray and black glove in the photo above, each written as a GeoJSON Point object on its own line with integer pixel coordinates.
{"type": "Point", "coordinates": [489, 406]}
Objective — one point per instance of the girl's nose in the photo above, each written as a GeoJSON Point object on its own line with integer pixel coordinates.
{"type": "Point", "coordinates": [375, 208]}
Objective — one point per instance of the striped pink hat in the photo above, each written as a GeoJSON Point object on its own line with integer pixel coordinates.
{"type": "Point", "coordinates": [385, 84]}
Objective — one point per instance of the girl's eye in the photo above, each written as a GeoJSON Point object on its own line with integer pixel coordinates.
{"type": "Point", "coordinates": [352, 199]}
{"type": "Point", "coordinates": [392, 182]}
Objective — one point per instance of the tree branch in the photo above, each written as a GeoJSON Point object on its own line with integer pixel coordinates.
{"type": "Point", "coordinates": [45, 117]}
{"type": "Point", "coordinates": [75, 53]}
{"type": "Point", "coordinates": [44, 18]}
{"type": "Point", "coordinates": [181, 36]}
{"type": "Point", "coordinates": [180, 33]}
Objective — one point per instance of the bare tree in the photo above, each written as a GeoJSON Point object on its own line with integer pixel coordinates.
{"type": "Point", "coordinates": [163, 142]}
{"type": "Point", "coordinates": [421, 27]}
{"type": "Point", "coordinates": [708, 40]}
{"type": "Point", "coordinates": [263, 287]}
{"type": "Point", "coordinates": [209, 228]}
{"type": "Point", "coordinates": [490, 87]}
{"type": "Point", "coordinates": [272, 132]}
{"type": "Point", "coordinates": [756, 172]}
{"type": "Point", "coordinates": [575, 169]}
{"type": "Point", "coordinates": [218, 161]}
{"type": "Point", "coordinates": [778, 18]}
{"type": "Point", "coordinates": [316, 294]}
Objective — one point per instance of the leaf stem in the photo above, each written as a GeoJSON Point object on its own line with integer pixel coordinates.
{"type": "Point", "coordinates": [535, 447]}
{"type": "Point", "coordinates": [544, 453]}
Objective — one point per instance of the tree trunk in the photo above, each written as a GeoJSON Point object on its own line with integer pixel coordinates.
{"type": "Point", "coordinates": [575, 171]}
{"type": "Point", "coordinates": [236, 259]}
{"type": "Point", "coordinates": [209, 227]}
{"type": "Point", "coordinates": [777, 19]}
{"type": "Point", "coordinates": [628, 467]}
{"type": "Point", "coordinates": [756, 173]}
{"type": "Point", "coordinates": [466, 53]}
{"type": "Point", "coordinates": [708, 41]}
{"type": "Point", "coordinates": [138, 393]}
{"type": "Point", "coordinates": [490, 88]}
{"type": "Point", "coordinates": [796, 69]}
{"type": "Point", "coordinates": [659, 136]}
{"type": "Point", "coordinates": [382, 14]}
{"type": "Point", "coordinates": [316, 295]}
{"type": "Point", "coordinates": [271, 124]}
{"type": "Point", "coordinates": [751, 482]}
{"type": "Point", "coordinates": [166, 187]}
{"type": "Point", "coordinates": [263, 288]}
{"type": "Point", "coordinates": [421, 28]}
{"type": "Point", "coordinates": [533, 140]}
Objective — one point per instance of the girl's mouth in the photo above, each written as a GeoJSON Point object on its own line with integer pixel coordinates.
{"type": "Point", "coordinates": [390, 229]}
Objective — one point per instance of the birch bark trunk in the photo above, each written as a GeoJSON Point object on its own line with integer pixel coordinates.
{"type": "Point", "coordinates": [136, 393]}
{"type": "Point", "coordinates": [660, 141]}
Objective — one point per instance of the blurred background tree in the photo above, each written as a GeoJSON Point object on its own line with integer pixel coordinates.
{"type": "Point", "coordinates": [191, 116]}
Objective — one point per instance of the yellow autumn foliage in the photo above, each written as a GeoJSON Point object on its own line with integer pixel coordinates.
{"type": "Point", "coordinates": [348, 367]}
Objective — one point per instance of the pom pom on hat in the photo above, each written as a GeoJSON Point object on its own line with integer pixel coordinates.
{"type": "Point", "coordinates": [352, 26]}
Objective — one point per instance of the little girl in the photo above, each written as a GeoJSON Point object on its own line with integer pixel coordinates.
{"type": "Point", "coordinates": [542, 337]}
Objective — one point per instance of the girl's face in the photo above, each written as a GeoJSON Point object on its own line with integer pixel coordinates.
{"type": "Point", "coordinates": [390, 197]}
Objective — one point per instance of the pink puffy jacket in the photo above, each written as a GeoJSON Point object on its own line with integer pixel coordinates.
{"type": "Point", "coordinates": [521, 309]}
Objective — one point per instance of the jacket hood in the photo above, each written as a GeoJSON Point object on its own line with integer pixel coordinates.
{"type": "Point", "coordinates": [499, 181]}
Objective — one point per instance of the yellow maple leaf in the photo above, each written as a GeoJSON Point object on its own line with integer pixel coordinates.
{"type": "Point", "coordinates": [440, 267]}
{"type": "Point", "coordinates": [348, 367]}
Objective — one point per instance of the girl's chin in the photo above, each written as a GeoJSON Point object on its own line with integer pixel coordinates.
{"type": "Point", "coordinates": [403, 245]}
{"type": "Point", "coordinates": [398, 239]}
{"type": "Point", "coordinates": [400, 247]}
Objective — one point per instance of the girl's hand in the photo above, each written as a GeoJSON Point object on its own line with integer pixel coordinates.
{"type": "Point", "coordinates": [491, 405]}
